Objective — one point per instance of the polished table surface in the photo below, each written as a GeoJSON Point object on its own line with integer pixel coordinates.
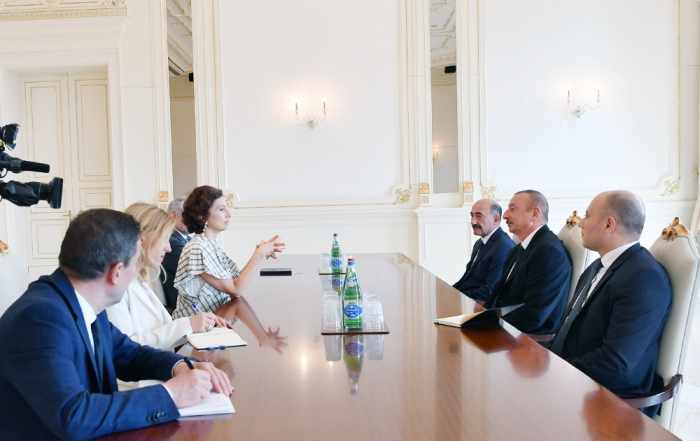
{"type": "Point", "coordinates": [420, 382]}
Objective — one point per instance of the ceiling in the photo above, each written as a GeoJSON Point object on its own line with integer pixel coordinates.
{"type": "Point", "coordinates": [443, 51]}
{"type": "Point", "coordinates": [179, 36]}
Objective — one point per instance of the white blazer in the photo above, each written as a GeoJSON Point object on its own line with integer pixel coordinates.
{"type": "Point", "coordinates": [137, 316]}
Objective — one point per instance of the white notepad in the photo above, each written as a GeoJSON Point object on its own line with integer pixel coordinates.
{"type": "Point", "coordinates": [214, 404]}
{"type": "Point", "coordinates": [216, 338]}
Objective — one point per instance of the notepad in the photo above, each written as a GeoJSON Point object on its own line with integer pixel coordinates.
{"type": "Point", "coordinates": [214, 404]}
{"type": "Point", "coordinates": [216, 338]}
{"type": "Point", "coordinates": [477, 318]}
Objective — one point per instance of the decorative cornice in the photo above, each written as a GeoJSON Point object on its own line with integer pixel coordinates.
{"type": "Point", "coordinates": [181, 23]}
{"type": "Point", "coordinates": [182, 56]}
{"type": "Point", "coordinates": [47, 15]}
{"type": "Point", "coordinates": [424, 188]}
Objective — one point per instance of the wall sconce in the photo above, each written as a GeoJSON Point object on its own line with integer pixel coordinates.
{"type": "Point", "coordinates": [311, 118]}
{"type": "Point", "coordinates": [578, 110]}
{"type": "Point", "coordinates": [436, 153]}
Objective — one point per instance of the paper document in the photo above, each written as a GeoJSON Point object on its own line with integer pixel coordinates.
{"type": "Point", "coordinates": [214, 404]}
{"type": "Point", "coordinates": [477, 318]}
{"type": "Point", "coordinates": [217, 338]}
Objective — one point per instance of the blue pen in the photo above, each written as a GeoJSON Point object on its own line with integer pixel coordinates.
{"type": "Point", "coordinates": [196, 308]}
{"type": "Point", "coordinates": [214, 348]}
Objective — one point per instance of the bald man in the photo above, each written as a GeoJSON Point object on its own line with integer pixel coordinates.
{"type": "Point", "coordinates": [612, 328]}
{"type": "Point", "coordinates": [489, 252]}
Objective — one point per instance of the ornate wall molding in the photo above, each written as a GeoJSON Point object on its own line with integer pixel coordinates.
{"type": "Point", "coordinates": [488, 192]}
{"type": "Point", "coordinates": [16, 10]}
{"type": "Point", "coordinates": [672, 187]}
{"type": "Point", "coordinates": [424, 188]}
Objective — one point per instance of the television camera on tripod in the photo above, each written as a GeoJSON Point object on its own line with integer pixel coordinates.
{"type": "Point", "coordinates": [29, 193]}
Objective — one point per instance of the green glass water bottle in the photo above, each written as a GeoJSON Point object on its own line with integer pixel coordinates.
{"type": "Point", "coordinates": [336, 265]}
{"type": "Point", "coordinates": [352, 298]}
{"type": "Point", "coordinates": [353, 350]}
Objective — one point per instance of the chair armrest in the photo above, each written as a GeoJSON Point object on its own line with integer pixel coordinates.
{"type": "Point", "coordinates": [542, 338]}
{"type": "Point", "coordinates": [658, 396]}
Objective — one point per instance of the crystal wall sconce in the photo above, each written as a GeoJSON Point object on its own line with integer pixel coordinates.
{"type": "Point", "coordinates": [578, 110]}
{"type": "Point", "coordinates": [311, 117]}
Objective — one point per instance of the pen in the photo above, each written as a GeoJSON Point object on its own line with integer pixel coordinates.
{"type": "Point", "coordinates": [213, 348]}
{"type": "Point", "coordinates": [189, 363]}
{"type": "Point", "coordinates": [196, 308]}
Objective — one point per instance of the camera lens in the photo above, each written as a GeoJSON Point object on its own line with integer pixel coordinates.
{"type": "Point", "coordinates": [51, 192]}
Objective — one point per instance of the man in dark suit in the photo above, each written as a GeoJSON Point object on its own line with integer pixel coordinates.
{"type": "Point", "coordinates": [489, 252]}
{"type": "Point", "coordinates": [537, 272]}
{"type": "Point", "coordinates": [178, 240]}
{"type": "Point", "coordinates": [61, 356]}
{"type": "Point", "coordinates": [612, 329]}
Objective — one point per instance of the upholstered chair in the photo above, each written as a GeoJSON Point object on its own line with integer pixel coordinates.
{"type": "Point", "coordinates": [677, 252]}
{"type": "Point", "coordinates": [581, 257]}
{"type": "Point", "coordinates": [14, 278]}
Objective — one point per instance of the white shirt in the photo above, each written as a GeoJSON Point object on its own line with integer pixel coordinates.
{"type": "Point", "coordinates": [524, 244]}
{"type": "Point", "coordinates": [88, 315]}
{"type": "Point", "coordinates": [607, 261]}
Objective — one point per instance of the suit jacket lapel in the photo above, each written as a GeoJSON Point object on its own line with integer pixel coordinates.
{"type": "Point", "coordinates": [609, 273]}
{"type": "Point", "coordinates": [526, 251]}
{"type": "Point", "coordinates": [65, 288]}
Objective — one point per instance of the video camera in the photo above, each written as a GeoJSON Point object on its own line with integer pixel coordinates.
{"type": "Point", "coordinates": [29, 193]}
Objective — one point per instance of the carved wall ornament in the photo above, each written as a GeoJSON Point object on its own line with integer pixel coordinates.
{"type": "Point", "coordinates": [695, 173]}
{"type": "Point", "coordinates": [488, 192]}
{"type": "Point", "coordinates": [469, 198]}
{"type": "Point", "coordinates": [467, 187]}
{"type": "Point", "coordinates": [4, 248]}
{"type": "Point", "coordinates": [675, 229]}
{"type": "Point", "coordinates": [163, 196]}
{"type": "Point", "coordinates": [672, 187]}
{"type": "Point", "coordinates": [229, 201]}
{"type": "Point", "coordinates": [574, 219]}
{"type": "Point", "coordinates": [402, 196]}
{"type": "Point", "coordinates": [425, 199]}
{"type": "Point", "coordinates": [424, 188]}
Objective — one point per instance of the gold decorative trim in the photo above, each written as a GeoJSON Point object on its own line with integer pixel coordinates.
{"type": "Point", "coordinates": [469, 198]}
{"type": "Point", "coordinates": [574, 219]}
{"type": "Point", "coordinates": [672, 187]}
{"type": "Point", "coordinates": [402, 196]}
{"type": "Point", "coordinates": [163, 206]}
{"type": "Point", "coordinates": [695, 173]}
{"type": "Point", "coordinates": [488, 192]}
{"type": "Point", "coordinates": [424, 188]}
{"type": "Point", "coordinates": [44, 15]}
{"type": "Point", "coordinates": [4, 248]}
{"type": "Point", "coordinates": [675, 229]}
{"type": "Point", "coordinates": [467, 187]}
{"type": "Point", "coordinates": [163, 196]}
{"type": "Point", "coordinates": [425, 199]}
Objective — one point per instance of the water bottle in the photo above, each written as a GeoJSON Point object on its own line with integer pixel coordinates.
{"type": "Point", "coordinates": [352, 298]}
{"type": "Point", "coordinates": [353, 350]}
{"type": "Point", "coordinates": [336, 265]}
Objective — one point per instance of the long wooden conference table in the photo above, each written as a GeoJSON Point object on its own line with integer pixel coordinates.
{"type": "Point", "coordinates": [419, 382]}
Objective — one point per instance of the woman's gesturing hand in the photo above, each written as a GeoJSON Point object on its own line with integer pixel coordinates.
{"type": "Point", "coordinates": [270, 248]}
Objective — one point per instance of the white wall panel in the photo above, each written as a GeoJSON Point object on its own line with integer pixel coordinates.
{"type": "Point", "coordinates": [316, 51]}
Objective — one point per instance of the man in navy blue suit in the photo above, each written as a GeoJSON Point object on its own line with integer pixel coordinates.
{"type": "Point", "coordinates": [488, 254]}
{"type": "Point", "coordinates": [537, 272]}
{"type": "Point", "coordinates": [612, 329]}
{"type": "Point", "coordinates": [178, 240]}
{"type": "Point", "coordinates": [61, 356]}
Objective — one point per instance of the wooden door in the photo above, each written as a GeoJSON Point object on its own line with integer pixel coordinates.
{"type": "Point", "coordinates": [64, 122]}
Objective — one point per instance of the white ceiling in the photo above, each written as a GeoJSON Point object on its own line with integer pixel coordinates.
{"type": "Point", "coordinates": [179, 36]}
{"type": "Point", "coordinates": [443, 50]}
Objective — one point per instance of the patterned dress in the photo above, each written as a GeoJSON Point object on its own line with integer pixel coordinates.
{"type": "Point", "coordinates": [201, 255]}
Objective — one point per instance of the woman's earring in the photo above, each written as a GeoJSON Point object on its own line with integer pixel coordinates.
{"type": "Point", "coordinates": [205, 225]}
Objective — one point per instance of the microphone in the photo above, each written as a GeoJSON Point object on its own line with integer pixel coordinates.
{"type": "Point", "coordinates": [34, 166]}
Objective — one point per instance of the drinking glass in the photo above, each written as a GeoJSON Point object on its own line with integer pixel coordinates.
{"type": "Point", "coordinates": [324, 265]}
{"type": "Point", "coordinates": [332, 344]}
{"type": "Point", "coordinates": [332, 319]}
{"type": "Point", "coordinates": [326, 282]}
{"type": "Point", "coordinates": [373, 315]}
{"type": "Point", "coordinates": [374, 346]}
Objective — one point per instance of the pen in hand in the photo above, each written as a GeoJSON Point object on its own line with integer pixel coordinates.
{"type": "Point", "coordinates": [188, 362]}
{"type": "Point", "coordinates": [196, 308]}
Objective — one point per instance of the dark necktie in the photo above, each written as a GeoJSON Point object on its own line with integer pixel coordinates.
{"type": "Point", "coordinates": [99, 352]}
{"type": "Point", "coordinates": [479, 245]}
{"type": "Point", "coordinates": [580, 299]}
{"type": "Point", "coordinates": [518, 255]}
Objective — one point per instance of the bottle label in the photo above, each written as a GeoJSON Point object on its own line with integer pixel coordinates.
{"type": "Point", "coordinates": [335, 246]}
{"type": "Point", "coordinates": [352, 282]}
{"type": "Point", "coordinates": [336, 263]}
{"type": "Point", "coordinates": [353, 310]}
{"type": "Point", "coordinates": [336, 283]}
{"type": "Point", "coordinates": [353, 348]}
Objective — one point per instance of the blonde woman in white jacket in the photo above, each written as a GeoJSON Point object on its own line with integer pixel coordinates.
{"type": "Point", "coordinates": [140, 314]}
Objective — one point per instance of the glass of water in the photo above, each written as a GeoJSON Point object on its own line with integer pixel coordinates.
{"type": "Point", "coordinates": [373, 315]}
{"type": "Point", "coordinates": [324, 265]}
{"type": "Point", "coordinates": [332, 319]}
